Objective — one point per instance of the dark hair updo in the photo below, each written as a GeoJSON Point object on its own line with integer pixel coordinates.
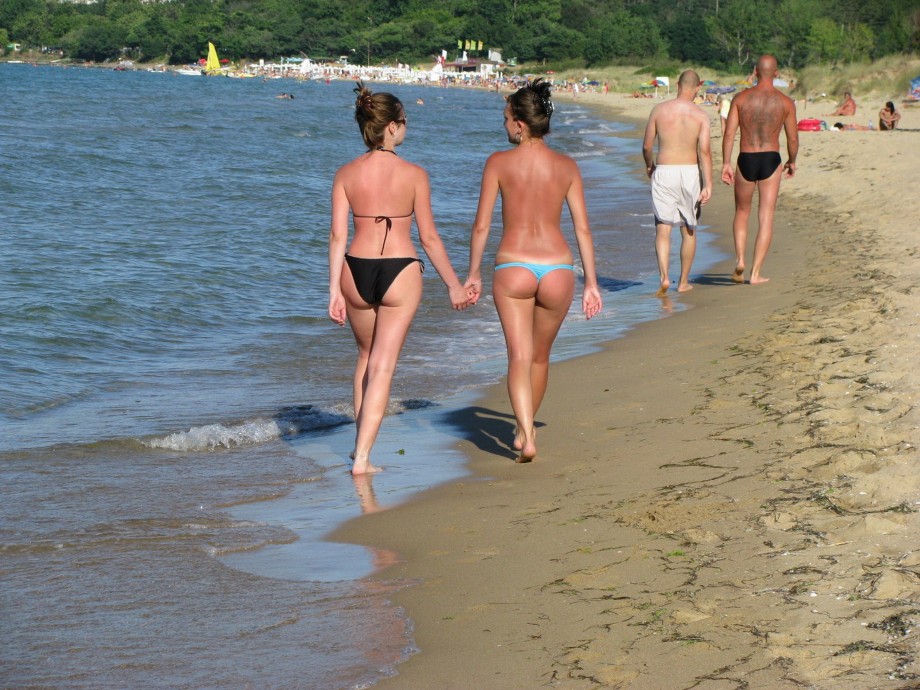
{"type": "Point", "coordinates": [373, 112]}
{"type": "Point", "coordinates": [531, 105]}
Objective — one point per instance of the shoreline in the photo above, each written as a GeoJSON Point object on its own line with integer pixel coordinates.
{"type": "Point", "coordinates": [729, 487]}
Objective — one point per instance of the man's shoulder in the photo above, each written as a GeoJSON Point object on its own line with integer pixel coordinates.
{"type": "Point", "coordinates": [658, 108]}
{"type": "Point", "coordinates": [700, 112]}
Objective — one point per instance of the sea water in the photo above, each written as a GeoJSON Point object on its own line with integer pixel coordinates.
{"type": "Point", "coordinates": [174, 402]}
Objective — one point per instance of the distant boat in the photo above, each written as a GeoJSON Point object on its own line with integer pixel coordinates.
{"type": "Point", "coordinates": [189, 71]}
{"type": "Point", "coordinates": [212, 66]}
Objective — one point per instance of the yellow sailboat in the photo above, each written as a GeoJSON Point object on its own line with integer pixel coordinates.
{"type": "Point", "coordinates": [212, 66]}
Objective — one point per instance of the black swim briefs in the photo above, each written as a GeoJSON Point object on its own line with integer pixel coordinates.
{"type": "Point", "coordinates": [758, 165]}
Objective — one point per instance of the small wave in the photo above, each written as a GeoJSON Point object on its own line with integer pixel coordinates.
{"type": "Point", "coordinates": [289, 421]}
{"type": "Point", "coordinates": [256, 543]}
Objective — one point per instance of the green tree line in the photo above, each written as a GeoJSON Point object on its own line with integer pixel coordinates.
{"type": "Point", "coordinates": [715, 33]}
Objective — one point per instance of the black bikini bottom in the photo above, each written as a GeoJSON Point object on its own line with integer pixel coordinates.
{"type": "Point", "coordinates": [758, 165]}
{"type": "Point", "coordinates": [373, 277]}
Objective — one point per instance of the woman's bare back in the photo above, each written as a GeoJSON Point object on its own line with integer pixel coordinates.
{"type": "Point", "coordinates": [534, 181]}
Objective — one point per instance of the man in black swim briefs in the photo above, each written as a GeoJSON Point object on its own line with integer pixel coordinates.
{"type": "Point", "coordinates": [755, 166]}
{"type": "Point", "coordinates": [760, 113]}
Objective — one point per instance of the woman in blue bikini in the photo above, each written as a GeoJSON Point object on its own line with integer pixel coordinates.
{"type": "Point", "coordinates": [377, 284]}
{"type": "Point", "coordinates": [534, 279]}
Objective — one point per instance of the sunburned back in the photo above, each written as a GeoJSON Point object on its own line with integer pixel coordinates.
{"type": "Point", "coordinates": [761, 114]}
{"type": "Point", "coordinates": [678, 124]}
{"type": "Point", "coordinates": [534, 181]}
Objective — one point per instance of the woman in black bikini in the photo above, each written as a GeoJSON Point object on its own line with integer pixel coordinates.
{"type": "Point", "coordinates": [377, 284]}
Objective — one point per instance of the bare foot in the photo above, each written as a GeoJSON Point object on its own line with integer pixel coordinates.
{"type": "Point", "coordinates": [518, 442]}
{"type": "Point", "coordinates": [738, 275]}
{"type": "Point", "coordinates": [663, 288]}
{"type": "Point", "coordinates": [527, 455]}
{"type": "Point", "coordinates": [362, 465]}
{"type": "Point", "coordinates": [687, 287]}
{"type": "Point", "coordinates": [757, 280]}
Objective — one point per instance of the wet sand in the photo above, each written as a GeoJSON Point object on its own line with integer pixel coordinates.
{"type": "Point", "coordinates": [725, 498]}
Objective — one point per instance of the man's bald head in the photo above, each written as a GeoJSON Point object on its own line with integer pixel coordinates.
{"type": "Point", "coordinates": [688, 79]}
{"type": "Point", "coordinates": [766, 67]}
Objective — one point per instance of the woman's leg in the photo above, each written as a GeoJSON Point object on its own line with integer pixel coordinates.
{"type": "Point", "coordinates": [361, 318]}
{"type": "Point", "coordinates": [387, 333]}
{"type": "Point", "coordinates": [554, 298]}
{"type": "Point", "coordinates": [531, 316]}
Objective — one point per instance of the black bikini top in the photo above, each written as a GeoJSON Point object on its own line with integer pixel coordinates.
{"type": "Point", "coordinates": [384, 219]}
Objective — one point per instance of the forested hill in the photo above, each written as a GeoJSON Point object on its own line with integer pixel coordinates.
{"type": "Point", "coordinates": [716, 33]}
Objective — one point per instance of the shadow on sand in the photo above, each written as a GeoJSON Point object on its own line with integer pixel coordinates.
{"type": "Point", "coordinates": [489, 430]}
{"type": "Point", "coordinates": [714, 279]}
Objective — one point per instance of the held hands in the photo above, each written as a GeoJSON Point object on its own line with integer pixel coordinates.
{"type": "Point", "coordinates": [474, 289]}
{"type": "Point", "coordinates": [591, 302]}
{"type": "Point", "coordinates": [460, 297]}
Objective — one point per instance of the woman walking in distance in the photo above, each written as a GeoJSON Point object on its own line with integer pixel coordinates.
{"type": "Point", "coordinates": [377, 284]}
{"type": "Point", "coordinates": [534, 279]}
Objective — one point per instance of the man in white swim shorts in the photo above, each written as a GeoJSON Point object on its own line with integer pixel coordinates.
{"type": "Point", "coordinates": [682, 131]}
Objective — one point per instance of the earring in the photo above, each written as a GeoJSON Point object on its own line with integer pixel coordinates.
{"type": "Point", "coordinates": [517, 138]}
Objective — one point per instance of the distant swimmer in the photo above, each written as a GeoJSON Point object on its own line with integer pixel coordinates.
{"type": "Point", "coordinates": [684, 157]}
{"type": "Point", "coordinates": [376, 284]}
{"type": "Point", "coordinates": [761, 113]}
{"type": "Point", "coordinates": [419, 101]}
{"type": "Point", "coordinates": [285, 95]}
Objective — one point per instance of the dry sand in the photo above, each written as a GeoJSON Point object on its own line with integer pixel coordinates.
{"type": "Point", "coordinates": [723, 499]}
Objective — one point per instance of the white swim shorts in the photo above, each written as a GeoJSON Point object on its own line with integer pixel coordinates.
{"type": "Point", "coordinates": [675, 190]}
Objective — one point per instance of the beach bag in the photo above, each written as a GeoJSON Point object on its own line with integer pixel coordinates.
{"type": "Point", "coordinates": [809, 125]}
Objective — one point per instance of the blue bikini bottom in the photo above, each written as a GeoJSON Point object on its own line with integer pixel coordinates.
{"type": "Point", "coordinates": [539, 270]}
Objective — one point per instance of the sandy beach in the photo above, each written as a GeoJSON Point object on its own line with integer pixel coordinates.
{"type": "Point", "coordinates": [726, 498]}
